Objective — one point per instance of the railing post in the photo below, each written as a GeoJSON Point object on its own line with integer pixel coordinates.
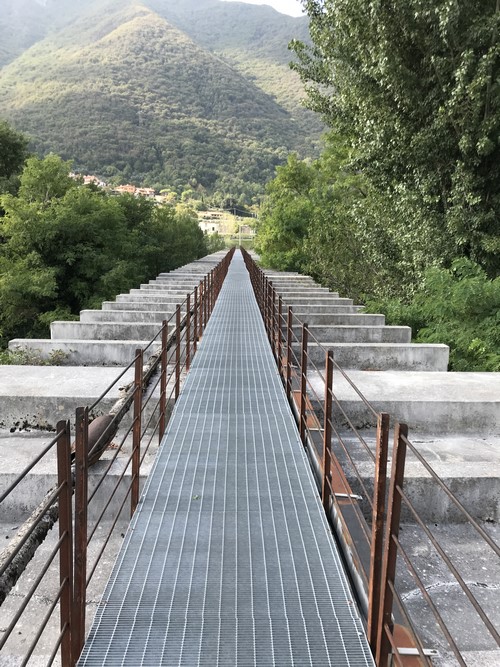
{"type": "Point", "coordinates": [390, 555]}
{"type": "Point", "coordinates": [326, 491]}
{"type": "Point", "coordinates": [177, 351]}
{"type": "Point", "coordinates": [163, 379]}
{"type": "Point", "coordinates": [289, 353]}
{"type": "Point", "coordinates": [273, 323]}
{"type": "Point", "coordinates": [136, 432]}
{"type": "Point", "coordinates": [280, 335]}
{"type": "Point", "coordinates": [65, 534]}
{"type": "Point", "coordinates": [81, 529]}
{"type": "Point", "coordinates": [210, 293]}
{"type": "Point", "coordinates": [195, 321]}
{"type": "Point", "coordinates": [303, 383]}
{"type": "Point", "coordinates": [378, 517]}
{"type": "Point", "coordinates": [205, 296]}
{"type": "Point", "coordinates": [188, 332]}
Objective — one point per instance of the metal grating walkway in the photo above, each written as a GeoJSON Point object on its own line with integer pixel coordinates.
{"type": "Point", "coordinates": [229, 560]}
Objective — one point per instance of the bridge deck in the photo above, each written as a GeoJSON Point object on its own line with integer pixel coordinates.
{"type": "Point", "coordinates": [229, 559]}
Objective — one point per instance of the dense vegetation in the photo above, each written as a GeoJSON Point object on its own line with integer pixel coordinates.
{"type": "Point", "coordinates": [64, 246]}
{"type": "Point", "coordinates": [403, 207]}
{"type": "Point", "coordinates": [160, 93]}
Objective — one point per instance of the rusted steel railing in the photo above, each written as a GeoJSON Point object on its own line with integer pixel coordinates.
{"type": "Point", "coordinates": [112, 495]}
{"type": "Point", "coordinates": [367, 522]}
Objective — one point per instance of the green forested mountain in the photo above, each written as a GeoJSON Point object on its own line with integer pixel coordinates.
{"type": "Point", "coordinates": [160, 92]}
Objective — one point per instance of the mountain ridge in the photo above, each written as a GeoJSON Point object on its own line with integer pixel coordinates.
{"type": "Point", "coordinates": [162, 107]}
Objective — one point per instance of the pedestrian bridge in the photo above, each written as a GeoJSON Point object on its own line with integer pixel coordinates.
{"type": "Point", "coordinates": [229, 559]}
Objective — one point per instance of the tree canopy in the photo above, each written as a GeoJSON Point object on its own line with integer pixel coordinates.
{"type": "Point", "coordinates": [64, 247]}
{"type": "Point", "coordinates": [414, 90]}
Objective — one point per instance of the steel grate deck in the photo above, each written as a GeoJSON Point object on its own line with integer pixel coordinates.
{"type": "Point", "coordinates": [229, 560]}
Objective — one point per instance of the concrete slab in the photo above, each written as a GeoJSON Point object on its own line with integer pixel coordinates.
{"type": "Point", "coordinates": [382, 356]}
{"type": "Point", "coordinates": [37, 397]}
{"type": "Point", "coordinates": [430, 402]}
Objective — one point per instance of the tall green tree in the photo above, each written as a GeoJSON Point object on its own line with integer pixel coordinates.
{"type": "Point", "coordinates": [13, 153]}
{"type": "Point", "coordinates": [414, 87]}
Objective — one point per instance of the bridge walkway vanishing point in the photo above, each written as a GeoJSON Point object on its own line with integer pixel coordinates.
{"type": "Point", "coordinates": [229, 559]}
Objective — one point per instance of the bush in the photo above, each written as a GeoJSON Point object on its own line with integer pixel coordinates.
{"type": "Point", "coordinates": [460, 307]}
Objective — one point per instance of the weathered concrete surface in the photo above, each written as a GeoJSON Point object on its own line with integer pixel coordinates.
{"type": "Point", "coordinates": [328, 319]}
{"type": "Point", "coordinates": [85, 352]}
{"type": "Point", "coordinates": [480, 569]}
{"type": "Point", "coordinates": [306, 307]}
{"type": "Point", "coordinates": [170, 287]}
{"type": "Point", "coordinates": [382, 356]}
{"type": "Point", "coordinates": [152, 296]}
{"type": "Point", "coordinates": [103, 330]}
{"type": "Point", "coordinates": [359, 333]}
{"type": "Point", "coordinates": [314, 300]}
{"type": "Point", "coordinates": [14, 651]}
{"type": "Point", "coordinates": [142, 304]}
{"type": "Point", "coordinates": [137, 316]}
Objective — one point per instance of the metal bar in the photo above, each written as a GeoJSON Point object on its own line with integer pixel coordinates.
{"type": "Point", "coordinates": [289, 353]}
{"type": "Point", "coordinates": [273, 325]}
{"type": "Point", "coordinates": [303, 384]}
{"type": "Point", "coordinates": [136, 432]}
{"type": "Point", "coordinates": [163, 380]}
{"type": "Point", "coordinates": [377, 541]}
{"type": "Point", "coordinates": [391, 554]}
{"type": "Point", "coordinates": [65, 535]}
{"type": "Point", "coordinates": [36, 460]}
{"type": "Point", "coordinates": [326, 491]}
{"type": "Point", "coordinates": [195, 321]}
{"type": "Point", "coordinates": [205, 298]}
{"type": "Point", "coordinates": [188, 333]}
{"type": "Point", "coordinates": [280, 336]}
{"type": "Point", "coordinates": [177, 352]}
{"type": "Point", "coordinates": [81, 530]}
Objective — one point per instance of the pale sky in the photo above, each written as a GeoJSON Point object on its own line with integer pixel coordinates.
{"type": "Point", "coordinates": [291, 7]}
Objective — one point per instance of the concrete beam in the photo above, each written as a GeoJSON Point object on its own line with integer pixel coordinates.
{"type": "Point", "coordinates": [359, 333]}
{"type": "Point", "coordinates": [352, 319]}
{"type": "Point", "coordinates": [383, 356]}
{"type": "Point", "coordinates": [136, 316]}
{"type": "Point", "coordinates": [103, 330]}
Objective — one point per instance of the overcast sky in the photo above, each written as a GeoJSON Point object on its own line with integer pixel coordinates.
{"type": "Point", "coordinates": [292, 7]}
